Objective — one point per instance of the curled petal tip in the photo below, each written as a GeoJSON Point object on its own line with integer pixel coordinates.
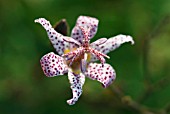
{"type": "Point", "coordinates": [131, 40]}
{"type": "Point", "coordinates": [70, 102]}
{"type": "Point", "coordinates": [76, 81]}
{"type": "Point", "coordinates": [37, 20]}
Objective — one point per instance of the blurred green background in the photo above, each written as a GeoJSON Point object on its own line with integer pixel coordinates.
{"type": "Point", "coordinates": [143, 70]}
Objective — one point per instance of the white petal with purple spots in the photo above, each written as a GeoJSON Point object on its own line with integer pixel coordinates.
{"type": "Point", "coordinates": [56, 38]}
{"type": "Point", "coordinates": [98, 42]}
{"type": "Point", "coordinates": [76, 81]}
{"type": "Point", "coordinates": [53, 65]}
{"type": "Point", "coordinates": [105, 46]}
{"type": "Point", "coordinates": [106, 75]}
{"type": "Point", "coordinates": [87, 23]}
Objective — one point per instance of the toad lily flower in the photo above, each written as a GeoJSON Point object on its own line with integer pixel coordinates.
{"type": "Point", "coordinates": [76, 55]}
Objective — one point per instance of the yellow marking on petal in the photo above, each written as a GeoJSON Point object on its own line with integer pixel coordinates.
{"type": "Point", "coordinates": [76, 63]}
{"type": "Point", "coordinates": [66, 51]}
{"type": "Point", "coordinates": [69, 50]}
{"type": "Point", "coordinates": [76, 67]}
{"type": "Point", "coordinates": [77, 71]}
{"type": "Point", "coordinates": [88, 57]}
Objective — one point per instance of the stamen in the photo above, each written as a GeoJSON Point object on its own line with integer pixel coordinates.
{"type": "Point", "coordinates": [97, 53]}
{"type": "Point", "coordinates": [84, 63]}
{"type": "Point", "coordinates": [83, 50]}
{"type": "Point", "coordinates": [72, 60]}
{"type": "Point", "coordinates": [85, 33]}
{"type": "Point", "coordinates": [86, 36]}
{"type": "Point", "coordinates": [70, 40]}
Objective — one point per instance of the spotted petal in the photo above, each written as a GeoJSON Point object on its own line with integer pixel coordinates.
{"type": "Point", "coordinates": [76, 81]}
{"type": "Point", "coordinates": [56, 38]}
{"type": "Point", "coordinates": [53, 65]}
{"type": "Point", "coordinates": [106, 75]}
{"type": "Point", "coordinates": [105, 46]}
{"type": "Point", "coordinates": [85, 22]}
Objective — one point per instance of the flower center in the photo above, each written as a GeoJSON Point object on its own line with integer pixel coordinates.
{"type": "Point", "coordinates": [76, 56]}
{"type": "Point", "coordinates": [76, 64]}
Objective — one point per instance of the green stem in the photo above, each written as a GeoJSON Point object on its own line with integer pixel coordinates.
{"type": "Point", "coordinates": [146, 50]}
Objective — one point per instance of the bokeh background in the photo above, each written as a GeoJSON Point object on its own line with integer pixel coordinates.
{"type": "Point", "coordinates": [143, 70]}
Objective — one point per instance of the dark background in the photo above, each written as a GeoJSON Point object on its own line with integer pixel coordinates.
{"type": "Point", "coordinates": [143, 70]}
